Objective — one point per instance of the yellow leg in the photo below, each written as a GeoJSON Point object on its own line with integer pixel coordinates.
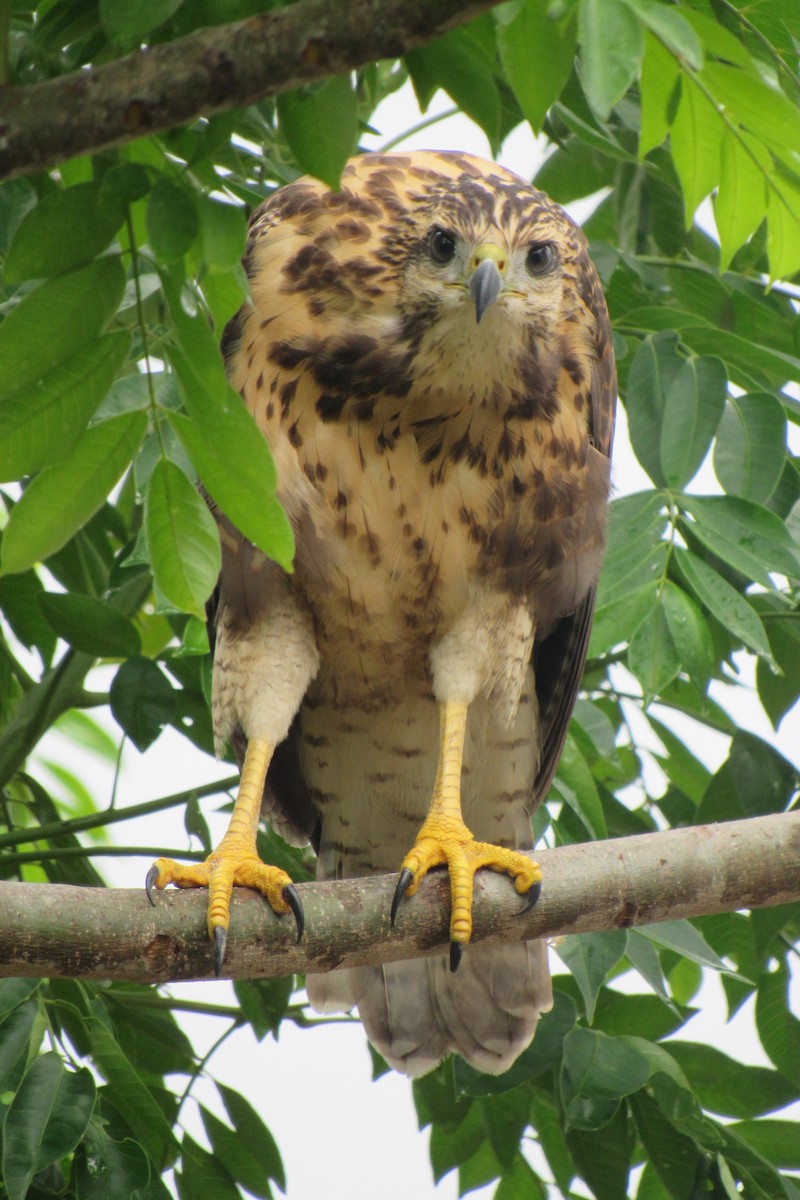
{"type": "Point", "coordinates": [235, 861]}
{"type": "Point", "coordinates": [444, 839]}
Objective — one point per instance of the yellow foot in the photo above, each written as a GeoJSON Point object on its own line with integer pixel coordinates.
{"type": "Point", "coordinates": [446, 841]}
{"type": "Point", "coordinates": [230, 865]}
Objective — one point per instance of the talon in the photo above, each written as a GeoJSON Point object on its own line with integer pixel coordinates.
{"type": "Point", "coordinates": [293, 900]}
{"type": "Point", "coordinates": [405, 879]}
{"type": "Point", "coordinates": [220, 941]}
{"type": "Point", "coordinates": [531, 896]}
{"type": "Point", "coordinates": [149, 881]}
{"type": "Point", "coordinates": [456, 950]}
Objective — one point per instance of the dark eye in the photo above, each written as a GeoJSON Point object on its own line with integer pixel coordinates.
{"type": "Point", "coordinates": [442, 245]}
{"type": "Point", "coordinates": [541, 258]}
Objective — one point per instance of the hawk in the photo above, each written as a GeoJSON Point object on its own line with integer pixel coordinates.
{"type": "Point", "coordinates": [428, 353]}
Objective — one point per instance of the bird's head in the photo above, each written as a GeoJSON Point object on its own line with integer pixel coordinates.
{"type": "Point", "coordinates": [467, 274]}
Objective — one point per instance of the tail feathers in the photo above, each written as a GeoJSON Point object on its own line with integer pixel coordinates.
{"type": "Point", "coordinates": [415, 1013]}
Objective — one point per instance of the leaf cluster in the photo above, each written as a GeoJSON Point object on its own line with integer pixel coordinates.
{"type": "Point", "coordinates": [119, 273]}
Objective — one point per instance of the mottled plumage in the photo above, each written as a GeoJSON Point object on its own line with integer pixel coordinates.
{"type": "Point", "coordinates": [428, 354]}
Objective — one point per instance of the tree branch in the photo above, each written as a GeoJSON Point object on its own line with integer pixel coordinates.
{"type": "Point", "coordinates": [55, 930]}
{"type": "Point", "coordinates": [209, 71]}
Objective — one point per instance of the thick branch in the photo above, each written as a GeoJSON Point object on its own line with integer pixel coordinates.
{"type": "Point", "coordinates": [211, 70]}
{"type": "Point", "coordinates": [55, 930]}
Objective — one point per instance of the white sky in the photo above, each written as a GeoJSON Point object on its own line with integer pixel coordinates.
{"type": "Point", "coordinates": [341, 1136]}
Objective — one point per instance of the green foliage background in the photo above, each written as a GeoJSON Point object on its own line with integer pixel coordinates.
{"type": "Point", "coordinates": [119, 271]}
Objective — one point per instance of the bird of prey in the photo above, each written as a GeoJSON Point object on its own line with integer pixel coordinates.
{"type": "Point", "coordinates": [427, 352]}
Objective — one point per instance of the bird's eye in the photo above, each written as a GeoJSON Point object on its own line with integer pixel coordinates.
{"type": "Point", "coordinates": [541, 258]}
{"type": "Point", "coordinates": [441, 245]}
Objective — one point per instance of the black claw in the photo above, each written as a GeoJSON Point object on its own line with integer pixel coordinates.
{"type": "Point", "coordinates": [456, 950]}
{"type": "Point", "coordinates": [220, 941]}
{"type": "Point", "coordinates": [531, 896]}
{"type": "Point", "coordinates": [149, 880]}
{"type": "Point", "coordinates": [405, 879]}
{"type": "Point", "coordinates": [293, 900]}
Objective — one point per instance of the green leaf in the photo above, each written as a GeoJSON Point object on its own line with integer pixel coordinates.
{"type": "Point", "coordinates": [689, 634]}
{"type": "Point", "coordinates": [612, 46]}
{"type": "Point", "coordinates": [63, 497]}
{"type": "Point", "coordinates": [142, 701]}
{"type": "Point", "coordinates": [519, 1180]}
{"type": "Point", "coordinates": [66, 229]}
{"type": "Point", "coordinates": [652, 655]}
{"type": "Point", "coordinates": [246, 495]}
{"type": "Point", "coordinates": [222, 230]}
{"type": "Point", "coordinates": [151, 1038]}
{"type": "Point", "coordinates": [603, 1156]}
{"type": "Point", "coordinates": [618, 1013]}
{"type": "Point", "coordinates": [672, 28]}
{"type": "Point", "coordinates": [726, 604]}
{"type": "Point", "coordinates": [643, 957]}
{"type": "Point", "coordinates": [659, 82]}
{"type": "Point", "coordinates": [778, 1028]}
{"type": "Point", "coordinates": [775, 1140]}
{"type": "Point", "coordinates": [680, 763]}
{"type": "Point", "coordinates": [128, 24]}
{"type": "Point", "coordinates": [576, 785]}
{"type": "Point", "coordinates": [172, 222]}
{"type": "Point", "coordinates": [755, 104]}
{"type": "Point", "coordinates": [45, 1121]}
{"type": "Point", "coordinates": [19, 600]}
{"type": "Point", "coordinates": [596, 1072]}
{"type": "Point", "coordinates": [695, 145]}
{"type": "Point", "coordinates": [674, 1156]}
{"type": "Point", "coordinates": [248, 1125]}
{"type": "Point", "coordinates": [783, 226]}
{"type": "Point", "coordinates": [235, 1154]}
{"type": "Point", "coordinates": [182, 539]}
{"type": "Point", "coordinates": [778, 693]}
{"type": "Point", "coordinates": [693, 405]}
{"type": "Point", "coordinates": [43, 422]}
{"type": "Point", "coordinates": [264, 1001]}
{"type": "Point", "coordinates": [754, 780]}
{"type": "Point", "coordinates": [105, 1169]}
{"type": "Point", "coordinates": [202, 1174]}
{"type": "Point", "coordinates": [20, 1036]}
{"type": "Point", "coordinates": [591, 957]}
{"type": "Point", "coordinates": [55, 320]}
{"type": "Point", "coordinates": [128, 1094]}
{"type": "Point", "coordinates": [14, 992]}
{"type": "Point", "coordinates": [461, 63]}
{"type": "Point", "coordinates": [741, 197]}
{"type": "Point", "coordinates": [454, 1143]}
{"type": "Point", "coordinates": [529, 31]}
{"type": "Point", "coordinates": [682, 937]}
{"type": "Point", "coordinates": [654, 369]}
{"type": "Point", "coordinates": [727, 1086]}
{"type": "Point", "coordinates": [751, 446]}
{"type": "Point", "coordinates": [545, 1119]}
{"type": "Point", "coordinates": [90, 625]}
{"type": "Point", "coordinates": [749, 537]}
{"type": "Point", "coordinates": [320, 124]}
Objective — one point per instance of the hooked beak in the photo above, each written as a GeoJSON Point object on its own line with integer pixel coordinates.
{"type": "Point", "coordinates": [486, 280]}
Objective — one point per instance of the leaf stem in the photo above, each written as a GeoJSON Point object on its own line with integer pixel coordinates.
{"type": "Point", "coordinates": [60, 852]}
{"type": "Point", "coordinates": [418, 128]}
{"type": "Point", "coordinates": [17, 837]}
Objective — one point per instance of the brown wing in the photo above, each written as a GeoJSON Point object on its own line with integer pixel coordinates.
{"type": "Point", "coordinates": [559, 659]}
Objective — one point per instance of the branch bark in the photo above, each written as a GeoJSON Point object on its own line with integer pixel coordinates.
{"type": "Point", "coordinates": [91, 933]}
{"type": "Point", "coordinates": [209, 71]}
